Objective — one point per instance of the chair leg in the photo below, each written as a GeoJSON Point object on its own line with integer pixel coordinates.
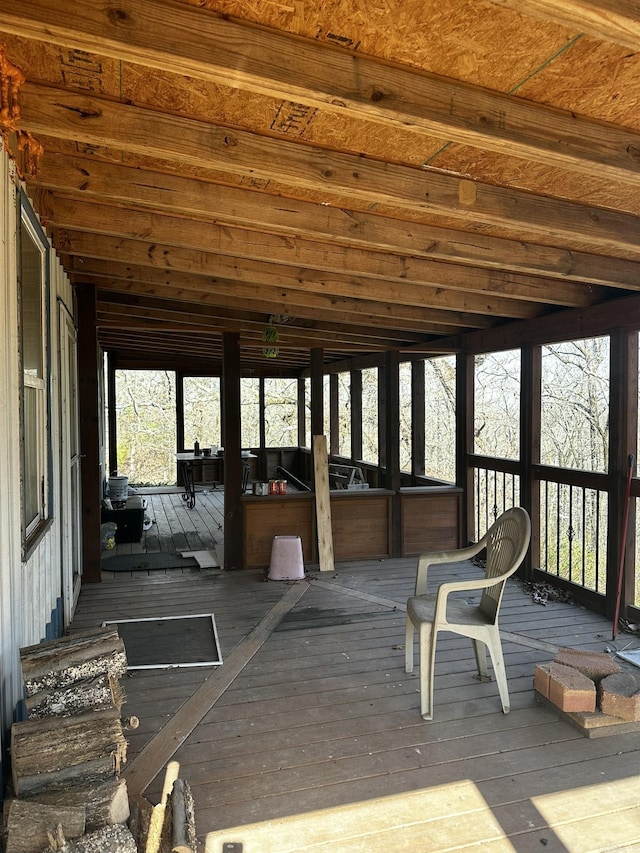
{"type": "Point", "coordinates": [495, 650]}
{"type": "Point", "coordinates": [408, 646]}
{"type": "Point", "coordinates": [480, 651]}
{"type": "Point", "coordinates": [427, 638]}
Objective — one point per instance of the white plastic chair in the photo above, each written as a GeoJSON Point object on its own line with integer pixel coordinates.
{"type": "Point", "coordinates": [506, 541]}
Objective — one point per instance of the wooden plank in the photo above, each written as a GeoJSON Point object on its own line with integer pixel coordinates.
{"type": "Point", "coordinates": [365, 182]}
{"type": "Point", "coordinates": [365, 233]}
{"type": "Point", "coordinates": [430, 520]}
{"type": "Point", "coordinates": [197, 43]}
{"type": "Point", "coordinates": [323, 504]}
{"type": "Point", "coordinates": [504, 292]}
{"type": "Point", "coordinates": [360, 525]}
{"type": "Point", "coordinates": [379, 825]}
{"type": "Point", "coordinates": [447, 245]}
{"type": "Point", "coordinates": [609, 20]}
{"type": "Point", "coordinates": [320, 689]}
{"type": "Point", "coordinates": [274, 516]}
{"type": "Point", "coordinates": [154, 756]}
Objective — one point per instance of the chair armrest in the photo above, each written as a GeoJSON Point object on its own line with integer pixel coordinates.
{"type": "Point", "coordinates": [432, 558]}
{"type": "Point", "coordinates": [445, 589]}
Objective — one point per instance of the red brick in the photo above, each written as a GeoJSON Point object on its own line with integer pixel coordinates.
{"type": "Point", "coordinates": [541, 680]}
{"type": "Point", "coordinates": [595, 665]}
{"type": "Point", "coordinates": [619, 696]}
{"type": "Point", "coordinates": [570, 690]}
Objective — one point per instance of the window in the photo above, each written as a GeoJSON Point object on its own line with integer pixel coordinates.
{"type": "Point", "coordinates": [406, 422]}
{"type": "Point", "coordinates": [440, 418]}
{"type": "Point", "coordinates": [250, 412]}
{"type": "Point", "coordinates": [33, 287]}
{"type": "Point", "coordinates": [146, 425]}
{"type": "Point", "coordinates": [496, 428]}
{"type": "Point", "coordinates": [281, 412]}
{"type": "Point", "coordinates": [344, 413]}
{"type": "Point", "coordinates": [370, 415]}
{"type": "Point", "coordinates": [575, 404]}
{"type": "Point", "coordinates": [201, 411]}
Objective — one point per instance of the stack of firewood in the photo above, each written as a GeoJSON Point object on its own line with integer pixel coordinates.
{"type": "Point", "coordinates": [66, 757]}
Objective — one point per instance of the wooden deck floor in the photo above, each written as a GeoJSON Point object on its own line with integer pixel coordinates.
{"type": "Point", "coordinates": [312, 711]}
{"type": "Point", "coordinates": [177, 528]}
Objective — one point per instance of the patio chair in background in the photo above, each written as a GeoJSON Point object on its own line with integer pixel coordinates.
{"type": "Point", "coordinates": [506, 541]}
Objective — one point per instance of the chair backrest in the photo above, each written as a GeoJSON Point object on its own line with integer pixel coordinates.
{"type": "Point", "coordinates": [507, 542]}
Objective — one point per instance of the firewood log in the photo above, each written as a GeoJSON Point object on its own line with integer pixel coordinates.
{"type": "Point", "coordinates": [63, 752]}
{"type": "Point", "coordinates": [58, 663]}
{"type": "Point", "coordinates": [110, 839]}
{"type": "Point", "coordinates": [183, 813]}
{"type": "Point", "coordinates": [28, 824]}
{"type": "Point", "coordinates": [100, 692]}
{"type": "Point", "coordinates": [140, 820]}
{"type": "Point", "coordinates": [104, 804]}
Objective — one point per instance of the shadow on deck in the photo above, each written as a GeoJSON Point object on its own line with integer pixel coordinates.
{"type": "Point", "coordinates": [312, 710]}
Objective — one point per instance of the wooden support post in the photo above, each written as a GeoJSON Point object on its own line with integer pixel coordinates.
{"type": "Point", "coordinates": [392, 442]}
{"type": "Point", "coordinates": [334, 416]}
{"type": "Point", "coordinates": [317, 392]}
{"type": "Point", "coordinates": [530, 420]}
{"type": "Point", "coordinates": [464, 443]}
{"type": "Point", "coordinates": [112, 431]}
{"type": "Point", "coordinates": [233, 553]}
{"type": "Point", "coordinates": [417, 417]}
{"type": "Point", "coordinates": [302, 411]}
{"type": "Point", "coordinates": [356, 414]}
{"type": "Point", "coordinates": [323, 503]}
{"type": "Point", "coordinates": [623, 420]}
{"type": "Point", "coordinates": [88, 368]}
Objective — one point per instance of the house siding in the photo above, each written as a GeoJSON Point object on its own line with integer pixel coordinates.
{"type": "Point", "coordinates": [32, 590]}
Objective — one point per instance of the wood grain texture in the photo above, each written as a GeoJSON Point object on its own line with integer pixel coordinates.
{"type": "Point", "coordinates": [202, 45]}
{"type": "Point", "coordinates": [323, 716]}
{"type": "Point", "coordinates": [322, 503]}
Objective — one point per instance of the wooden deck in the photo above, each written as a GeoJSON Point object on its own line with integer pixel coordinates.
{"type": "Point", "coordinates": [312, 710]}
{"type": "Point", "coordinates": [177, 528]}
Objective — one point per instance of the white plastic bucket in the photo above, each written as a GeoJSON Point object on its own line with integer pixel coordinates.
{"type": "Point", "coordinates": [118, 488]}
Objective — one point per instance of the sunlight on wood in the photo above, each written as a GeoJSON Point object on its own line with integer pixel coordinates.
{"type": "Point", "coordinates": [596, 817]}
{"type": "Point", "coordinates": [454, 815]}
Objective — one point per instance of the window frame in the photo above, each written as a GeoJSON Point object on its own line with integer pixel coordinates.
{"type": "Point", "coordinates": [41, 440]}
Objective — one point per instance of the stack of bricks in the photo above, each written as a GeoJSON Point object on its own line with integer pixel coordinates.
{"type": "Point", "coordinates": [591, 689]}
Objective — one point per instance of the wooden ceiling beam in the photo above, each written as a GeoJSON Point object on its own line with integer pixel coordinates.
{"type": "Point", "coordinates": [296, 232]}
{"type": "Point", "coordinates": [294, 304]}
{"type": "Point", "coordinates": [122, 322]}
{"type": "Point", "coordinates": [610, 20]}
{"type": "Point", "coordinates": [365, 267]}
{"type": "Point", "coordinates": [330, 177]}
{"type": "Point", "coordinates": [331, 293]}
{"type": "Point", "coordinates": [442, 243]}
{"type": "Point", "coordinates": [174, 348]}
{"type": "Point", "coordinates": [196, 42]}
{"type": "Point", "coordinates": [129, 307]}
{"type": "Point", "coordinates": [61, 212]}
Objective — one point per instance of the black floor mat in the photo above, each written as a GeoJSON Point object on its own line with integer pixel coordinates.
{"type": "Point", "coordinates": [158, 643]}
{"type": "Point", "coordinates": [147, 562]}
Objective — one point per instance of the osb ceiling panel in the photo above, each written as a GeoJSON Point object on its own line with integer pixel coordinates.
{"type": "Point", "coordinates": [483, 256]}
{"type": "Point", "coordinates": [464, 40]}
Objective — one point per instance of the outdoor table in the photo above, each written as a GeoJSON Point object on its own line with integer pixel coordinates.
{"type": "Point", "coordinates": [186, 462]}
